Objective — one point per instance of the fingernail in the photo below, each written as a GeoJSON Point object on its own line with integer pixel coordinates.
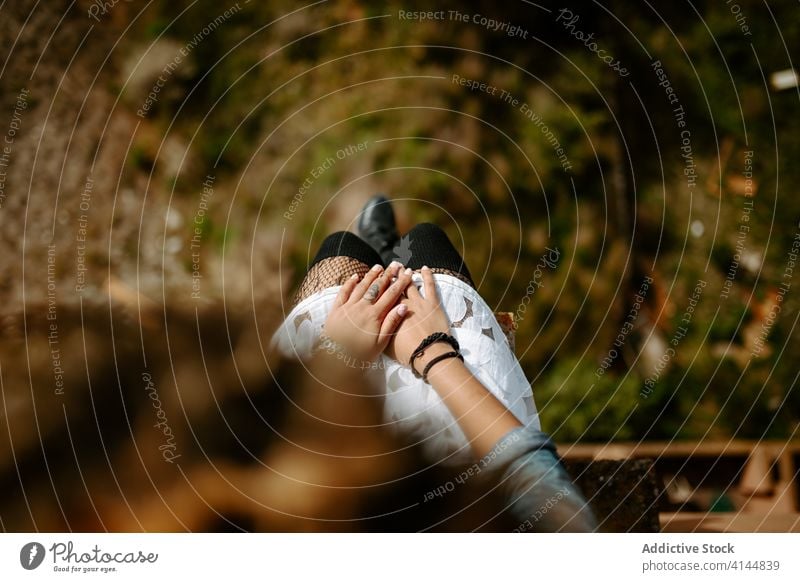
{"type": "Point", "coordinates": [426, 268]}
{"type": "Point", "coordinates": [394, 265]}
{"type": "Point", "coordinates": [402, 309]}
{"type": "Point", "coordinates": [377, 268]}
{"type": "Point", "coordinates": [354, 276]}
{"type": "Point", "coordinates": [408, 271]}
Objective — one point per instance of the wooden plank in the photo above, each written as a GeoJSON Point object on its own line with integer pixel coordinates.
{"type": "Point", "coordinates": [682, 522]}
{"type": "Point", "coordinates": [626, 450]}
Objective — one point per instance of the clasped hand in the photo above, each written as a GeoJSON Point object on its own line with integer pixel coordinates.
{"type": "Point", "coordinates": [374, 314]}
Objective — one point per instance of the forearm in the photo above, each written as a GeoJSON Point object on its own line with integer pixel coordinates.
{"type": "Point", "coordinates": [539, 493]}
{"type": "Point", "coordinates": [482, 417]}
{"type": "Point", "coordinates": [521, 460]}
{"type": "Point", "coordinates": [340, 388]}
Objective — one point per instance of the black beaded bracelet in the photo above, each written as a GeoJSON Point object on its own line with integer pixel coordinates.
{"type": "Point", "coordinates": [438, 359]}
{"type": "Point", "coordinates": [435, 337]}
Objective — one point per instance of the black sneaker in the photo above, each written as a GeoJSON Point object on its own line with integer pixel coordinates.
{"type": "Point", "coordinates": [377, 226]}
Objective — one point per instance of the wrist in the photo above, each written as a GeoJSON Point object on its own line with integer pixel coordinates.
{"type": "Point", "coordinates": [443, 368]}
{"type": "Point", "coordinates": [426, 346]}
{"type": "Point", "coordinates": [347, 353]}
{"type": "Point", "coordinates": [430, 352]}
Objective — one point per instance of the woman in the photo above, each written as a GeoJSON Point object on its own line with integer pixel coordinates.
{"type": "Point", "coordinates": [450, 379]}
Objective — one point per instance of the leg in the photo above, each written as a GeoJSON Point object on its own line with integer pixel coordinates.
{"type": "Point", "coordinates": [428, 245]}
{"type": "Point", "coordinates": [340, 255]}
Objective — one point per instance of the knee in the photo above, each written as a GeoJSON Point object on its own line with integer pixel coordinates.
{"type": "Point", "coordinates": [427, 229]}
{"type": "Point", "coordinates": [427, 226]}
{"type": "Point", "coordinates": [339, 235]}
{"type": "Point", "coordinates": [335, 240]}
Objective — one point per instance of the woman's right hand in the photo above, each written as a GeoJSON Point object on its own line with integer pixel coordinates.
{"type": "Point", "coordinates": [366, 312]}
{"type": "Point", "coordinates": [424, 317]}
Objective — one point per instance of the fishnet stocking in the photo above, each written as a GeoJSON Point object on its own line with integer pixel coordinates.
{"type": "Point", "coordinates": [329, 272]}
{"type": "Point", "coordinates": [335, 271]}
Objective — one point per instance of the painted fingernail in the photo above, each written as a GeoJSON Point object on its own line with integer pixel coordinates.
{"type": "Point", "coordinates": [402, 309]}
{"type": "Point", "coordinates": [408, 271]}
{"type": "Point", "coordinates": [377, 268]}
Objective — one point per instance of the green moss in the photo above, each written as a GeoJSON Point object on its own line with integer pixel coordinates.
{"type": "Point", "coordinates": [577, 405]}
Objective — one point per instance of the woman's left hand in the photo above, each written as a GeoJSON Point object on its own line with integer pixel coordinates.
{"type": "Point", "coordinates": [425, 316]}
{"type": "Point", "coordinates": [366, 313]}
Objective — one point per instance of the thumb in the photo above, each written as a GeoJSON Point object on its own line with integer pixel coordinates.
{"type": "Point", "coordinates": [390, 323]}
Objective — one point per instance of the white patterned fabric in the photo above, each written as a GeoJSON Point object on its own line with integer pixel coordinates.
{"type": "Point", "coordinates": [411, 406]}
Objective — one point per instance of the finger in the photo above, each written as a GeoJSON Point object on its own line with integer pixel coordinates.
{"type": "Point", "coordinates": [430, 285]}
{"type": "Point", "coordinates": [364, 284]}
{"type": "Point", "coordinates": [393, 293]}
{"type": "Point", "coordinates": [388, 276]}
{"type": "Point", "coordinates": [390, 324]}
{"type": "Point", "coordinates": [375, 291]}
{"type": "Point", "coordinates": [412, 292]}
{"type": "Point", "coordinates": [346, 290]}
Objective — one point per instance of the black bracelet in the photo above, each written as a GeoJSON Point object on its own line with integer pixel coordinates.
{"type": "Point", "coordinates": [438, 359]}
{"type": "Point", "coordinates": [435, 337]}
